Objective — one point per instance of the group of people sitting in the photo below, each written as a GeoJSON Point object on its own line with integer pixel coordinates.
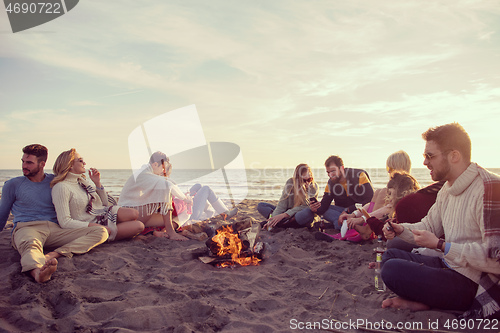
{"type": "Point", "coordinates": [72, 214]}
{"type": "Point", "coordinates": [299, 207]}
{"type": "Point", "coordinates": [459, 216]}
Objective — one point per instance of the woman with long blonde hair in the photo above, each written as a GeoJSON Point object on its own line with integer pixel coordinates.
{"type": "Point", "coordinates": [295, 197]}
{"type": "Point", "coordinates": [79, 204]}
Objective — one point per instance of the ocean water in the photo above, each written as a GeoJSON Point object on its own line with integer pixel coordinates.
{"type": "Point", "coordinates": [255, 184]}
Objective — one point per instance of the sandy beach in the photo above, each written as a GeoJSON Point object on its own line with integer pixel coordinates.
{"type": "Point", "coordinates": [151, 285]}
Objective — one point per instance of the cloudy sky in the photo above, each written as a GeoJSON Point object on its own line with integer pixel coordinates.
{"type": "Point", "coordinates": [287, 81]}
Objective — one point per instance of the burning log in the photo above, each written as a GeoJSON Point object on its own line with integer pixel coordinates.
{"type": "Point", "coordinates": [201, 236]}
{"type": "Point", "coordinates": [194, 253]}
{"type": "Point", "coordinates": [229, 248]}
{"type": "Point", "coordinates": [212, 246]}
{"type": "Point", "coordinates": [258, 250]}
{"type": "Point", "coordinates": [242, 225]}
{"type": "Point", "coordinates": [245, 243]}
{"type": "Point", "coordinates": [217, 244]}
{"type": "Point", "coordinates": [251, 234]}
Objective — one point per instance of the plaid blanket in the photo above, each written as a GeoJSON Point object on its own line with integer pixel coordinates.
{"type": "Point", "coordinates": [486, 303]}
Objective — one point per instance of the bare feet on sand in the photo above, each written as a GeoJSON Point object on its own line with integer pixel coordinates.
{"type": "Point", "coordinates": [364, 230]}
{"type": "Point", "coordinates": [160, 234]}
{"type": "Point", "coordinates": [52, 255]}
{"type": "Point", "coordinates": [178, 237]}
{"type": "Point", "coordinates": [175, 236]}
{"type": "Point", "coordinates": [44, 273]}
{"type": "Point", "coordinates": [401, 303]}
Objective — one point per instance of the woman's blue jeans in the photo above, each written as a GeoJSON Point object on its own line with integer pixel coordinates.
{"type": "Point", "coordinates": [427, 280]}
{"type": "Point", "coordinates": [305, 216]}
{"type": "Point", "coordinates": [204, 195]}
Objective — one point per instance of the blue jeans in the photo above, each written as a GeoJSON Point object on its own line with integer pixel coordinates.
{"type": "Point", "coordinates": [203, 194]}
{"type": "Point", "coordinates": [305, 216]}
{"type": "Point", "coordinates": [398, 243]}
{"type": "Point", "coordinates": [331, 215]}
{"type": "Point", "coordinates": [427, 280]}
{"type": "Point", "coordinates": [265, 209]}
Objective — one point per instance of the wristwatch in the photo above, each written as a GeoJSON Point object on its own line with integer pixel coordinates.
{"type": "Point", "coordinates": [440, 245]}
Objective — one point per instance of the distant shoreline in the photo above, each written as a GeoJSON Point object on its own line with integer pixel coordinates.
{"type": "Point", "coordinates": [49, 170]}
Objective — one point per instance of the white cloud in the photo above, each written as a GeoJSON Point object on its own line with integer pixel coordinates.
{"type": "Point", "coordinates": [266, 74]}
{"type": "Point", "coordinates": [486, 35]}
{"type": "Point", "coordinates": [85, 103]}
{"type": "Point", "coordinates": [34, 115]}
{"type": "Point", "coordinates": [123, 93]}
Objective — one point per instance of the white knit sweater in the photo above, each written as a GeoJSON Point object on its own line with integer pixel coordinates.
{"type": "Point", "coordinates": [70, 201]}
{"type": "Point", "coordinates": [458, 213]}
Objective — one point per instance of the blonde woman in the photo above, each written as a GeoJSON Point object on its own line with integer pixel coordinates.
{"type": "Point", "coordinates": [398, 161]}
{"type": "Point", "coordinates": [294, 199]}
{"type": "Point", "coordinates": [79, 204]}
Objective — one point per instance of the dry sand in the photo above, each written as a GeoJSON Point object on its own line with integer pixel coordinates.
{"type": "Point", "coordinates": [145, 285]}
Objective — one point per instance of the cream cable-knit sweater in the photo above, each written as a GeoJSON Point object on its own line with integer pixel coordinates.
{"type": "Point", "coordinates": [458, 213]}
{"type": "Point", "coordinates": [70, 201]}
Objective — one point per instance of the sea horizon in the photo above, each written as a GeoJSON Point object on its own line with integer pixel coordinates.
{"type": "Point", "coordinates": [253, 184]}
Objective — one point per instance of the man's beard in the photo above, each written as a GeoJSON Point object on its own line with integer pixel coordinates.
{"type": "Point", "coordinates": [440, 175]}
{"type": "Point", "coordinates": [31, 173]}
{"type": "Point", "coordinates": [335, 180]}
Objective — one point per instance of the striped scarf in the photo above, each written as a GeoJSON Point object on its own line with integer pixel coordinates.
{"type": "Point", "coordinates": [104, 214]}
{"type": "Point", "coordinates": [486, 303]}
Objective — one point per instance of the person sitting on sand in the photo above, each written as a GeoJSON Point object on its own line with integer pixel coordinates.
{"type": "Point", "coordinates": [293, 202]}
{"type": "Point", "coordinates": [79, 204]}
{"type": "Point", "coordinates": [35, 221]}
{"type": "Point", "coordinates": [466, 213]}
{"type": "Point", "coordinates": [206, 204]}
{"type": "Point", "coordinates": [399, 186]}
{"type": "Point", "coordinates": [412, 209]}
{"type": "Point", "coordinates": [346, 187]}
{"type": "Point", "coordinates": [151, 194]}
{"type": "Point", "coordinates": [398, 161]}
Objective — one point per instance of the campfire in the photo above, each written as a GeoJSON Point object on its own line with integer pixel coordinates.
{"type": "Point", "coordinates": [234, 245]}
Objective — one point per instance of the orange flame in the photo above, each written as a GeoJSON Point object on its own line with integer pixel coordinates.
{"type": "Point", "coordinates": [230, 244]}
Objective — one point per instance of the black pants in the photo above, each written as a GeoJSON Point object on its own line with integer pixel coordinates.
{"type": "Point", "coordinates": [427, 280]}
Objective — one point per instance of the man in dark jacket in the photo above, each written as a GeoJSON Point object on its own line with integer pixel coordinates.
{"type": "Point", "coordinates": [346, 187]}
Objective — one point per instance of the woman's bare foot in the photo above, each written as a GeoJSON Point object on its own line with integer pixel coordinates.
{"type": "Point", "coordinates": [364, 230]}
{"type": "Point", "coordinates": [401, 303]}
{"type": "Point", "coordinates": [160, 234]}
{"type": "Point", "coordinates": [178, 237]}
{"type": "Point", "coordinates": [44, 273]}
{"type": "Point", "coordinates": [173, 236]}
